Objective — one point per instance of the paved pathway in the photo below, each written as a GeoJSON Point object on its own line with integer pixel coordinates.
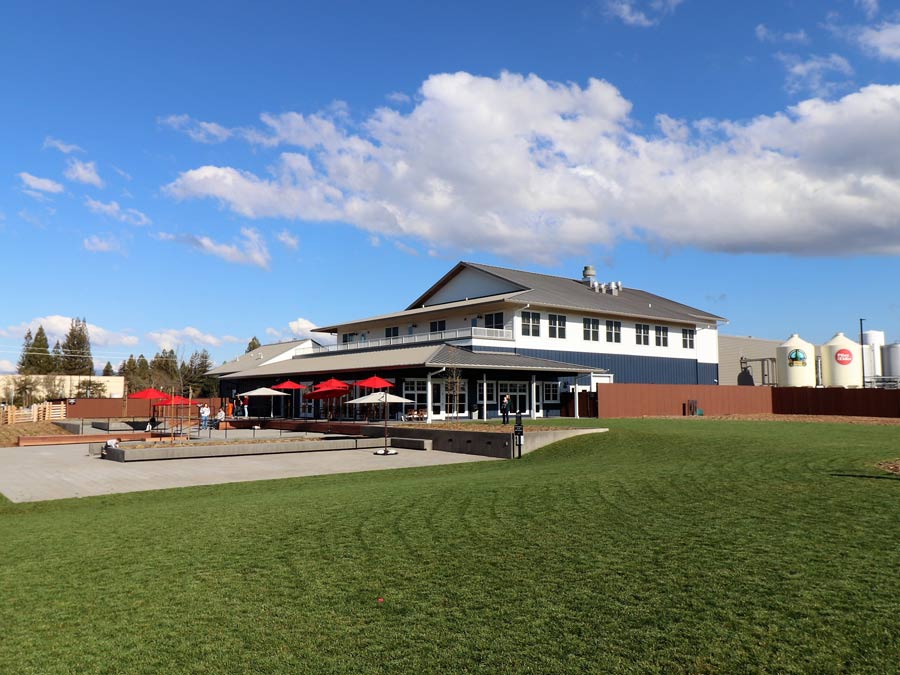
{"type": "Point", "coordinates": [57, 472]}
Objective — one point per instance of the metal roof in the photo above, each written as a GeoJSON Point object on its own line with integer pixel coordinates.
{"type": "Point", "coordinates": [573, 294]}
{"type": "Point", "coordinates": [260, 356]}
{"type": "Point", "coordinates": [427, 356]}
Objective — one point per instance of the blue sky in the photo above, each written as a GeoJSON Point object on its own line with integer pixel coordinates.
{"type": "Point", "coordinates": [191, 174]}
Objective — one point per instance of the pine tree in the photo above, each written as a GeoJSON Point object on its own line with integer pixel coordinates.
{"type": "Point", "coordinates": [141, 374]}
{"type": "Point", "coordinates": [42, 360]}
{"type": "Point", "coordinates": [76, 349]}
{"type": "Point", "coordinates": [57, 358]}
{"type": "Point", "coordinates": [193, 374]}
{"type": "Point", "coordinates": [253, 344]}
{"type": "Point", "coordinates": [24, 365]}
{"type": "Point", "coordinates": [164, 373]}
{"type": "Point", "coordinates": [108, 370]}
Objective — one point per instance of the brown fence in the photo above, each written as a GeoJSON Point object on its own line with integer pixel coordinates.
{"type": "Point", "coordinates": [855, 402]}
{"type": "Point", "coordinates": [638, 400]}
{"type": "Point", "coordinates": [100, 408]}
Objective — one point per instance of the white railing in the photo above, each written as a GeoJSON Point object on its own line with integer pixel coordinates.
{"type": "Point", "coordinates": [444, 335]}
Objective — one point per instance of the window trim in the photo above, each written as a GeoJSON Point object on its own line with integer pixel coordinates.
{"type": "Point", "coordinates": [642, 334]}
{"type": "Point", "coordinates": [661, 336]}
{"type": "Point", "coordinates": [613, 331]}
{"type": "Point", "coordinates": [556, 326]}
{"type": "Point", "coordinates": [531, 323]}
{"type": "Point", "coordinates": [590, 329]}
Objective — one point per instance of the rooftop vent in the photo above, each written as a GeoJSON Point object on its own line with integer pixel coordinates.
{"type": "Point", "coordinates": [589, 276]}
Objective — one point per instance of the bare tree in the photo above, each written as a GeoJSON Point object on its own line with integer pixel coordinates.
{"type": "Point", "coordinates": [454, 388]}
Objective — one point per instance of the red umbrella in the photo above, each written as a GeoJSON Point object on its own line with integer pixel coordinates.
{"type": "Point", "coordinates": [176, 400]}
{"type": "Point", "coordinates": [289, 385]}
{"type": "Point", "coordinates": [317, 394]}
{"type": "Point", "coordinates": [331, 384]}
{"type": "Point", "coordinates": [149, 393]}
{"type": "Point", "coordinates": [374, 382]}
{"type": "Point", "coordinates": [286, 386]}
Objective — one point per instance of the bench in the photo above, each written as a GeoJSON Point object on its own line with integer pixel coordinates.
{"type": "Point", "coordinates": [70, 439]}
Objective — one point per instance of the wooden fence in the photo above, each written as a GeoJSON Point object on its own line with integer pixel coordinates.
{"type": "Point", "coordinates": [39, 412]}
{"type": "Point", "coordinates": [665, 400]}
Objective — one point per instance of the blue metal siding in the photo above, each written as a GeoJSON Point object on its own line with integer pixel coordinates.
{"type": "Point", "coordinates": [629, 369]}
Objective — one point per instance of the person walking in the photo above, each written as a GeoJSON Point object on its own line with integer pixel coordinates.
{"type": "Point", "coordinates": [504, 408]}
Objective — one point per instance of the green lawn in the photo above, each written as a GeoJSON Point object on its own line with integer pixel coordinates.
{"type": "Point", "coordinates": [663, 546]}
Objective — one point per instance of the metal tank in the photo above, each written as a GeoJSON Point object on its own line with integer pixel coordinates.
{"type": "Point", "coordinates": [873, 341]}
{"type": "Point", "coordinates": [841, 362]}
{"type": "Point", "coordinates": [795, 363]}
{"type": "Point", "coordinates": [890, 360]}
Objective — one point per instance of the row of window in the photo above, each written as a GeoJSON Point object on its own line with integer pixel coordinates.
{"type": "Point", "coordinates": [417, 391]}
{"type": "Point", "coordinates": [556, 328]}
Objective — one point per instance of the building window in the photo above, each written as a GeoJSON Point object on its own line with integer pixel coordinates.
{"type": "Point", "coordinates": [557, 326]}
{"type": "Point", "coordinates": [531, 324]}
{"type": "Point", "coordinates": [687, 338]}
{"type": "Point", "coordinates": [392, 331]}
{"type": "Point", "coordinates": [491, 392]}
{"type": "Point", "coordinates": [494, 320]}
{"type": "Point", "coordinates": [416, 391]}
{"type": "Point", "coordinates": [642, 334]}
{"type": "Point", "coordinates": [438, 326]}
{"type": "Point", "coordinates": [662, 336]}
{"type": "Point", "coordinates": [518, 395]}
{"type": "Point", "coordinates": [456, 403]}
{"type": "Point", "coordinates": [348, 337]}
{"type": "Point", "coordinates": [551, 392]}
{"type": "Point", "coordinates": [613, 331]}
{"type": "Point", "coordinates": [591, 329]}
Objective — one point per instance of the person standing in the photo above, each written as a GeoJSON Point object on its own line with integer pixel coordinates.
{"type": "Point", "coordinates": [504, 408]}
{"type": "Point", "coordinates": [204, 416]}
{"type": "Point", "coordinates": [246, 403]}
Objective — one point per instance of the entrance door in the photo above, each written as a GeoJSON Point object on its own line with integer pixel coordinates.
{"type": "Point", "coordinates": [437, 399]}
{"type": "Point", "coordinates": [518, 396]}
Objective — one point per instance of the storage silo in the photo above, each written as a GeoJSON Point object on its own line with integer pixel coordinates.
{"type": "Point", "coordinates": [873, 341]}
{"type": "Point", "coordinates": [795, 363]}
{"type": "Point", "coordinates": [841, 362]}
{"type": "Point", "coordinates": [890, 357]}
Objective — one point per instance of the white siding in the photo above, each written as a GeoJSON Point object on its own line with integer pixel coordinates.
{"type": "Point", "coordinates": [471, 284]}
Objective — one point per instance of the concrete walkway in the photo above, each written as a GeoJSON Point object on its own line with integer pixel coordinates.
{"type": "Point", "coordinates": [40, 473]}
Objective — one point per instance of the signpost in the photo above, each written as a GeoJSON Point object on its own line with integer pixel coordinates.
{"type": "Point", "coordinates": [519, 432]}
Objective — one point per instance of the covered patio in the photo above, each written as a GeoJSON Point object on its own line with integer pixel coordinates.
{"type": "Point", "coordinates": [442, 382]}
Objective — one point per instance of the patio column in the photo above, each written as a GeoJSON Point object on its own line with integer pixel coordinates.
{"type": "Point", "coordinates": [484, 401]}
{"type": "Point", "coordinates": [534, 400]}
{"type": "Point", "coordinates": [428, 400]}
{"type": "Point", "coordinates": [576, 396]}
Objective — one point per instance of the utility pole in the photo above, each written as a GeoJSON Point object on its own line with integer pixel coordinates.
{"type": "Point", "coordinates": [862, 352]}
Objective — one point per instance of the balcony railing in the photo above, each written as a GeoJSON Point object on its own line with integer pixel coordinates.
{"type": "Point", "coordinates": [418, 338]}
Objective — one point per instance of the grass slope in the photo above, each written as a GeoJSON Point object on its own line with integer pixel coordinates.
{"type": "Point", "coordinates": [663, 546]}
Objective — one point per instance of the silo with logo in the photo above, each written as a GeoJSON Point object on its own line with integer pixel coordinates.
{"type": "Point", "coordinates": [841, 362]}
{"type": "Point", "coordinates": [795, 363]}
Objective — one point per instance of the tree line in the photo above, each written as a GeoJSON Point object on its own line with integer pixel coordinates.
{"type": "Point", "coordinates": [43, 365]}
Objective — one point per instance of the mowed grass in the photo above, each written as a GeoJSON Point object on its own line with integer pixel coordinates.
{"type": "Point", "coordinates": [663, 546]}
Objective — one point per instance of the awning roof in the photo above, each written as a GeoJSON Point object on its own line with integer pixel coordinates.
{"type": "Point", "coordinates": [427, 356]}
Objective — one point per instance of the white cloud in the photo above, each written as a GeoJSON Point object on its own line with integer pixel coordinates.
{"type": "Point", "coordinates": [7, 366]}
{"type": "Point", "coordinates": [541, 170]}
{"type": "Point", "coordinates": [813, 74]}
{"type": "Point", "coordinates": [123, 174]}
{"type": "Point", "coordinates": [40, 184]}
{"type": "Point", "coordinates": [63, 147]}
{"type": "Point", "coordinates": [406, 248]}
{"type": "Point", "coordinates": [113, 210]}
{"type": "Point", "coordinates": [170, 338]}
{"type": "Point", "coordinates": [869, 7]}
{"type": "Point", "coordinates": [83, 172]}
{"type": "Point", "coordinates": [96, 244]}
{"type": "Point", "coordinates": [288, 240]}
{"type": "Point", "coordinates": [764, 34]}
{"type": "Point", "coordinates": [398, 97]}
{"type": "Point", "coordinates": [202, 132]}
{"type": "Point", "coordinates": [640, 13]}
{"type": "Point", "coordinates": [251, 250]}
{"type": "Point", "coordinates": [57, 327]}
{"type": "Point", "coordinates": [883, 40]}
{"type": "Point", "coordinates": [301, 328]}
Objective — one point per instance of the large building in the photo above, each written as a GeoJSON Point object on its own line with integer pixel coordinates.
{"type": "Point", "coordinates": [482, 332]}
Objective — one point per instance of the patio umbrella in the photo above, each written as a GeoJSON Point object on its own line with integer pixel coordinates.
{"type": "Point", "coordinates": [149, 394]}
{"type": "Point", "coordinates": [289, 386]}
{"type": "Point", "coordinates": [374, 382]}
{"type": "Point", "coordinates": [331, 384]}
{"type": "Point", "coordinates": [265, 391]}
{"type": "Point", "coordinates": [384, 398]}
